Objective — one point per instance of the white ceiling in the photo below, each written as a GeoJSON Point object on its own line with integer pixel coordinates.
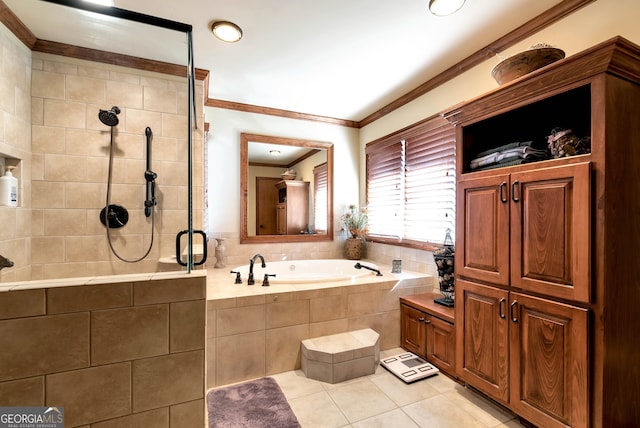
{"type": "Point", "coordinates": [338, 58]}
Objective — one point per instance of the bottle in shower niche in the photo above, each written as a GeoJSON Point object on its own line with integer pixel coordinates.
{"type": "Point", "coordinates": [9, 189]}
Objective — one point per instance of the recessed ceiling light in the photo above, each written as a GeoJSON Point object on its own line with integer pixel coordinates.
{"type": "Point", "coordinates": [274, 152]}
{"type": "Point", "coordinates": [226, 31]}
{"type": "Point", "coordinates": [445, 7]}
{"type": "Point", "coordinates": [102, 2]}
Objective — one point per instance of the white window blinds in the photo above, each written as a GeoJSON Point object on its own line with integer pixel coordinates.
{"type": "Point", "coordinates": [320, 182]}
{"type": "Point", "coordinates": [385, 200]}
{"type": "Point", "coordinates": [411, 183]}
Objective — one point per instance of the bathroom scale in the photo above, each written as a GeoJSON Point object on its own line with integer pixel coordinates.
{"type": "Point", "coordinates": [409, 367]}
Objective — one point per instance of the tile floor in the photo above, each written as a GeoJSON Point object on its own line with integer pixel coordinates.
{"type": "Point", "coordinates": [382, 400]}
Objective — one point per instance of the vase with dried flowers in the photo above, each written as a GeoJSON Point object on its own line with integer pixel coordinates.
{"type": "Point", "coordinates": [354, 222]}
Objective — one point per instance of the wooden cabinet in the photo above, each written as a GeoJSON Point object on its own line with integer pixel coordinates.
{"type": "Point", "coordinates": [292, 210]}
{"type": "Point", "coordinates": [526, 352]}
{"type": "Point", "coordinates": [546, 252]}
{"type": "Point", "coordinates": [427, 330]}
{"type": "Point", "coordinates": [529, 229]}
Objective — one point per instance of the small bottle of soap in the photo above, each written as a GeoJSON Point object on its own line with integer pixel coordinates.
{"type": "Point", "coordinates": [9, 189]}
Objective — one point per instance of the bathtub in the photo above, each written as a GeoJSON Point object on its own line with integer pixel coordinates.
{"type": "Point", "coordinates": [306, 271]}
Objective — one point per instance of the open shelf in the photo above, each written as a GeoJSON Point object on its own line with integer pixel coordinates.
{"type": "Point", "coordinates": [532, 122]}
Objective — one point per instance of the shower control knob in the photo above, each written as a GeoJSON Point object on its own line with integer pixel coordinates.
{"type": "Point", "coordinates": [150, 175]}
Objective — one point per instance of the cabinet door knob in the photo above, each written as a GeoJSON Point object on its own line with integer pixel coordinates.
{"type": "Point", "coordinates": [427, 321]}
{"type": "Point", "coordinates": [421, 319]}
{"type": "Point", "coordinates": [514, 186]}
{"type": "Point", "coordinates": [501, 303]}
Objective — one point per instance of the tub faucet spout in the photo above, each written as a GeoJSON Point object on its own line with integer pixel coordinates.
{"type": "Point", "coordinates": [250, 280]}
{"type": "Point", "coordinates": [5, 262]}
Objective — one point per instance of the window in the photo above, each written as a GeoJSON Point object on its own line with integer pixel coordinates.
{"type": "Point", "coordinates": [320, 181]}
{"type": "Point", "coordinates": [411, 184]}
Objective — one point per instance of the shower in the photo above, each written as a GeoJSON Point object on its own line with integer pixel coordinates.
{"type": "Point", "coordinates": [115, 216]}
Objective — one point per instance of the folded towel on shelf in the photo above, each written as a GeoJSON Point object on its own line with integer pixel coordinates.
{"type": "Point", "coordinates": [517, 152]}
{"type": "Point", "coordinates": [504, 147]}
{"type": "Point", "coordinates": [506, 162]}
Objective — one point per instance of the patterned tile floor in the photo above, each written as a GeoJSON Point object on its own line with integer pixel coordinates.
{"type": "Point", "coordinates": [382, 400]}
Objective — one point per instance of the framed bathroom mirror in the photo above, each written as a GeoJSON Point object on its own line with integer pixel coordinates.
{"type": "Point", "coordinates": [286, 189]}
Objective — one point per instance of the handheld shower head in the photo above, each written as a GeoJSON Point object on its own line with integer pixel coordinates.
{"type": "Point", "coordinates": [109, 117]}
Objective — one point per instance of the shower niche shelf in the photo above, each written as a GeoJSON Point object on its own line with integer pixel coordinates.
{"type": "Point", "coordinates": [12, 164]}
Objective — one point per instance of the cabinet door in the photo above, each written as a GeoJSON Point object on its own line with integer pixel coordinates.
{"type": "Point", "coordinates": [413, 330]}
{"type": "Point", "coordinates": [550, 232]}
{"type": "Point", "coordinates": [549, 369]}
{"type": "Point", "coordinates": [482, 229]}
{"type": "Point", "coordinates": [441, 344]}
{"type": "Point", "coordinates": [482, 354]}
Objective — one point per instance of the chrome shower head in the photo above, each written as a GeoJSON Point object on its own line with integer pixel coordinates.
{"type": "Point", "coordinates": [109, 117]}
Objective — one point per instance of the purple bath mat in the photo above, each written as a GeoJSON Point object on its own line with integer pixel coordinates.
{"type": "Point", "coordinates": [255, 404]}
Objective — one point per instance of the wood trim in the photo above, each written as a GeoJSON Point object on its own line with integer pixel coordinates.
{"type": "Point", "coordinates": [616, 56]}
{"type": "Point", "coordinates": [249, 108]}
{"type": "Point", "coordinates": [17, 27]}
{"type": "Point", "coordinates": [532, 26]}
{"type": "Point", "coordinates": [63, 49]}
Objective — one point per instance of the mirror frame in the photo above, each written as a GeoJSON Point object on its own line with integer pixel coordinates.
{"type": "Point", "coordinates": [245, 138]}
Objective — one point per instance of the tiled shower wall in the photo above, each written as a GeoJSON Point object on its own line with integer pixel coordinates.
{"type": "Point", "coordinates": [70, 152]}
{"type": "Point", "coordinates": [15, 136]}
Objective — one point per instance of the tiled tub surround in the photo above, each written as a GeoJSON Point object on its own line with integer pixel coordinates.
{"type": "Point", "coordinates": [114, 351]}
{"type": "Point", "coordinates": [255, 331]}
{"type": "Point", "coordinates": [413, 259]}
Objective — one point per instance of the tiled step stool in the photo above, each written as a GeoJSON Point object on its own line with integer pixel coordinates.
{"type": "Point", "coordinates": [341, 356]}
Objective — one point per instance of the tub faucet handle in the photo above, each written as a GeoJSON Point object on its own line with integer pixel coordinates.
{"type": "Point", "coordinates": [265, 282]}
{"type": "Point", "coordinates": [238, 278]}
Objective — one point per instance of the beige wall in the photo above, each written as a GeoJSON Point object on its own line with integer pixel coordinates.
{"type": "Point", "coordinates": [112, 354]}
{"type": "Point", "coordinates": [224, 181]}
{"type": "Point", "coordinates": [594, 23]}
{"type": "Point", "coordinates": [70, 149]}
{"type": "Point", "coordinates": [15, 140]}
